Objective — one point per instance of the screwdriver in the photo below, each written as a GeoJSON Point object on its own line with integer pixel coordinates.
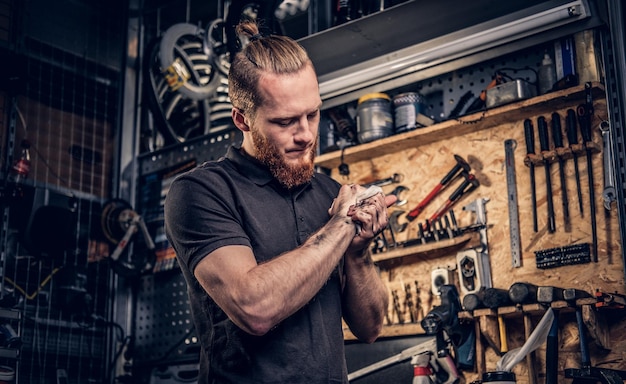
{"type": "Point", "coordinates": [557, 136]}
{"type": "Point", "coordinates": [542, 125]}
{"type": "Point", "coordinates": [529, 135]}
{"type": "Point", "coordinates": [585, 112]}
{"type": "Point", "coordinates": [572, 138]}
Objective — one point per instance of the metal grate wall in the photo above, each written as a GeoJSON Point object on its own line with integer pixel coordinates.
{"type": "Point", "coordinates": [61, 94]}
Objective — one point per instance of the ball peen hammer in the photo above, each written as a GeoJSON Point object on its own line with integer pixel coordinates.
{"type": "Point", "coordinates": [460, 166]}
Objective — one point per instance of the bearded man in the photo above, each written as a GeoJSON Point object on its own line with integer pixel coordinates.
{"type": "Point", "coordinates": [274, 254]}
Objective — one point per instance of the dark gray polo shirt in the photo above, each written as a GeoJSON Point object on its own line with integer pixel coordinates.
{"type": "Point", "coordinates": [236, 201]}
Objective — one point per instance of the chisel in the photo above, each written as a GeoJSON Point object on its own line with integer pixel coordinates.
{"type": "Point", "coordinates": [544, 143]}
{"type": "Point", "coordinates": [557, 136]}
{"type": "Point", "coordinates": [585, 112]}
{"type": "Point", "coordinates": [529, 135]}
{"type": "Point", "coordinates": [572, 138]}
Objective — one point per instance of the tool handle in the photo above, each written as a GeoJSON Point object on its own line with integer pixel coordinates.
{"type": "Point", "coordinates": [542, 125]}
{"type": "Point", "coordinates": [468, 184]}
{"type": "Point", "coordinates": [557, 134]}
{"type": "Point", "coordinates": [460, 166]}
{"type": "Point", "coordinates": [572, 136]}
{"type": "Point", "coordinates": [552, 352]}
{"type": "Point", "coordinates": [412, 215]}
{"type": "Point", "coordinates": [582, 337]}
{"type": "Point", "coordinates": [584, 118]}
{"type": "Point", "coordinates": [529, 135]}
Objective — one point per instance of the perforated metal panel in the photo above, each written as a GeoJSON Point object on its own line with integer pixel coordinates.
{"type": "Point", "coordinates": [444, 92]}
{"type": "Point", "coordinates": [164, 330]}
{"type": "Point", "coordinates": [209, 147]}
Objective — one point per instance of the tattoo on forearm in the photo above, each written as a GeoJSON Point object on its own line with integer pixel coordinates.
{"type": "Point", "coordinates": [318, 238]}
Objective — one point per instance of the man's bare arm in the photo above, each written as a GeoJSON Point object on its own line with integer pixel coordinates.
{"type": "Point", "coordinates": [365, 295]}
{"type": "Point", "coordinates": [257, 297]}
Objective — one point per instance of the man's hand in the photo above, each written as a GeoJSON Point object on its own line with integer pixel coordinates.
{"type": "Point", "coordinates": [369, 214]}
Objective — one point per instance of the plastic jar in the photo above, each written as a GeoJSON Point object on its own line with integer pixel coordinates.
{"type": "Point", "coordinates": [406, 107]}
{"type": "Point", "coordinates": [499, 377]}
{"type": "Point", "coordinates": [7, 374]}
{"type": "Point", "coordinates": [373, 119]}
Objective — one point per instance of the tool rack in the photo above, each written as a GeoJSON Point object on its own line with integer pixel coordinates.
{"type": "Point", "coordinates": [412, 153]}
{"type": "Point", "coordinates": [488, 324]}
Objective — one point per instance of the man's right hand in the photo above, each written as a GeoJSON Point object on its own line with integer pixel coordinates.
{"type": "Point", "coordinates": [371, 215]}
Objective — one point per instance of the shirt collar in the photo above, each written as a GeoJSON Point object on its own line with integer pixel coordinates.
{"type": "Point", "coordinates": [253, 169]}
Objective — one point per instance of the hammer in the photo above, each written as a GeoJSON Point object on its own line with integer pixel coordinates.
{"type": "Point", "coordinates": [469, 184]}
{"type": "Point", "coordinates": [460, 166]}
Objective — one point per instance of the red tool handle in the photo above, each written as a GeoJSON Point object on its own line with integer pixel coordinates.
{"type": "Point", "coordinates": [420, 207]}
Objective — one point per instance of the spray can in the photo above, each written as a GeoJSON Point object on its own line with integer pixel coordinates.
{"type": "Point", "coordinates": [421, 369]}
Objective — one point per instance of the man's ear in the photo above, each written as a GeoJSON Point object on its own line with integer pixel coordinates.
{"type": "Point", "coordinates": [240, 120]}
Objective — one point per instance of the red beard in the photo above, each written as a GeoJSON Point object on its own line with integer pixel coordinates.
{"type": "Point", "coordinates": [289, 176]}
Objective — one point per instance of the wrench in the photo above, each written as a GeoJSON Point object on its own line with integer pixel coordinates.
{"type": "Point", "coordinates": [396, 178]}
{"type": "Point", "coordinates": [396, 227]}
{"type": "Point", "coordinates": [609, 193]}
{"type": "Point", "coordinates": [396, 192]}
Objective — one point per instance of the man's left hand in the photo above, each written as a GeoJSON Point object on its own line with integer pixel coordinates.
{"type": "Point", "coordinates": [371, 217]}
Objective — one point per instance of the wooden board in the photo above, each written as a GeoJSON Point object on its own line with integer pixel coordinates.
{"type": "Point", "coordinates": [424, 164]}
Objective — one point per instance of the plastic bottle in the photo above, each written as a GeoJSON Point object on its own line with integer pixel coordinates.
{"type": "Point", "coordinates": [421, 369]}
{"type": "Point", "coordinates": [546, 75]}
{"type": "Point", "coordinates": [20, 170]}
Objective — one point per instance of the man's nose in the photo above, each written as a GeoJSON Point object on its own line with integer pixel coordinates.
{"type": "Point", "coordinates": [305, 130]}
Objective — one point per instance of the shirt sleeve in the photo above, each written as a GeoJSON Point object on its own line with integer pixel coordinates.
{"type": "Point", "coordinates": [200, 217]}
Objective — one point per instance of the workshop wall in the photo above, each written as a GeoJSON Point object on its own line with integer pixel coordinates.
{"type": "Point", "coordinates": [422, 166]}
{"type": "Point", "coordinates": [60, 91]}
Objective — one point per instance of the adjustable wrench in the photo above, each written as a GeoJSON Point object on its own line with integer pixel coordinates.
{"type": "Point", "coordinates": [609, 193]}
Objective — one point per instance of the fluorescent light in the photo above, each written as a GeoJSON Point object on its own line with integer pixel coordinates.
{"type": "Point", "coordinates": [458, 44]}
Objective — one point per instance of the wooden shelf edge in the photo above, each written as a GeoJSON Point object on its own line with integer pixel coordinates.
{"type": "Point", "coordinates": [395, 330]}
{"type": "Point", "coordinates": [533, 309]}
{"type": "Point", "coordinates": [449, 128]}
{"type": "Point", "coordinates": [422, 248]}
